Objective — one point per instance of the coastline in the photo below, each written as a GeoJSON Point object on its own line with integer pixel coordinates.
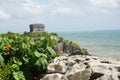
{"type": "Point", "coordinates": [81, 66]}
{"type": "Point", "coordinates": [104, 43]}
{"type": "Point", "coordinates": [66, 58]}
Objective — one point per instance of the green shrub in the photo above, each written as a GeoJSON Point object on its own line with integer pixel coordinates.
{"type": "Point", "coordinates": [26, 56]}
{"type": "Point", "coordinates": [6, 72]}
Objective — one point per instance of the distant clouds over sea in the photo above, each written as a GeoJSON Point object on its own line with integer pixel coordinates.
{"type": "Point", "coordinates": [59, 15]}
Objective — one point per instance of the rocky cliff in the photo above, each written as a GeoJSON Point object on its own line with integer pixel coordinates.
{"type": "Point", "coordinates": [82, 67]}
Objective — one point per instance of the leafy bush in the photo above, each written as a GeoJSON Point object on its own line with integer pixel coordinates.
{"type": "Point", "coordinates": [6, 71]}
{"type": "Point", "coordinates": [27, 52]}
{"type": "Point", "coordinates": [25, 56]}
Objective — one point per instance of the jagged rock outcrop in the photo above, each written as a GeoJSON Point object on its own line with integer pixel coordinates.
{"type": "Point", "coordinates": [82, 67]}
{"type": "Point", "coordinates": [70, 49]}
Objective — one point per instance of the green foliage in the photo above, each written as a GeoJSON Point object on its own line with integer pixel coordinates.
{"type": "Point", "coordinates": [25, 56]}
{"type": "Point", "coordinates": [71, 43]}
{"type": "Point", "coordinates": [6, 71]}
{"type": "Point", "coordinates": [27, 52]}
{"type": "Point", "coordinates": [1, 60]}
{"type": "Point", "coordinates": [84, 51]}
{"type": "Point", "coordinates": [18, 75]}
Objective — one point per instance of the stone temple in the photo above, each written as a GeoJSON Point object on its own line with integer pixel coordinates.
{"type": "Point", "coordinates": [37, 28]}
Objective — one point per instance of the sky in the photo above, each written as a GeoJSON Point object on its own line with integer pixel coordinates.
{"type": "Point", "coordinates": [59, 15]}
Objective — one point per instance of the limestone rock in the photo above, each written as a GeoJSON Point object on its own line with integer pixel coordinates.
{"type": "Point", "coordinates": [79, 75]}
{"type": "Point", "coordinates": [78, 72]}
{"type": "Point", "coordinates": [54, 76]}
{"type": "Point", "coordinates": [100, 69]}
{"type": "Point", "coordinates": [105, 77]}
{"type": "Point", "coordinates": [56, 67]}
{"type": "Point", "coordinates": [69, 49]}
{"type": "Point", "coordinates": [119, 76]}
{"type": "Point", "coordinates": [82, 67]}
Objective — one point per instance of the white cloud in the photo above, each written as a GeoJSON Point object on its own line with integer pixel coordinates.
{"type": "Point", "coordinates": [22, 8]}
{"type": "Point", "coordinates": [105, 3]}
{"type": "Point", "coordinates": [4, 15]}
{"type": "Point", "coordinates": [65, 11]}
{"type": "Point", "coordinates": [65, 7]}
{"type": "Point", "coordinates": [82, 7]}
{"type": "Point", "coordinates": [33, 7]}
{"type": "Point", "coordinates": [100, 11]}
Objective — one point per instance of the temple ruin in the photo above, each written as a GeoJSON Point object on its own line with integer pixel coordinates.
{"type": "Point", "coordinates": [37, 28]}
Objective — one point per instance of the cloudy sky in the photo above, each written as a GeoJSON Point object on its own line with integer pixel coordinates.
{"type": "Point", "coordinates": [59, 15]}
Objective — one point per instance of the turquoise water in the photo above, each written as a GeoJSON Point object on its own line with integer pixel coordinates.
{"type": "Point", "coordinates": [102, 43]}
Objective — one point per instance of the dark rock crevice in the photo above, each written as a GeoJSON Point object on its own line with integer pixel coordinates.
{"type": "Point", "coordinates": [95, 76]}
{"type": "Point", "coordinates": [118, 76]}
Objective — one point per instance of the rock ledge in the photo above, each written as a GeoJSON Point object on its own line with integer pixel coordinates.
{"type": "Point", "coordinates": [82, 67]}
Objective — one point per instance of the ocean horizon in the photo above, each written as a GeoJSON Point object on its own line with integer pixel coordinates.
{"type": "Point", "coordinates": [104, 43]}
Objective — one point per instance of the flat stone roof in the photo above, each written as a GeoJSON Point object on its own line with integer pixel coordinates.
{"type": "Point", "coordinates": [37, 25]}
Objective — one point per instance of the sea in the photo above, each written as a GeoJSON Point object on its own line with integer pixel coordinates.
{"type": "Point", "coordinates": [105, 43]}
